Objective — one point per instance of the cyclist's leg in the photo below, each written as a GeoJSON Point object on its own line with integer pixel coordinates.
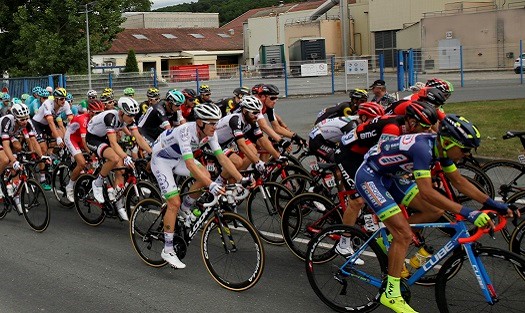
{"type": "Point", "coordinates": [348, 163]}
{"type": "Point", "coordinates": [189, 200]}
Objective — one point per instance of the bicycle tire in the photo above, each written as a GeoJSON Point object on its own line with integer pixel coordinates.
{"type": "Point", "coordinates": [226, 267]}
{"type": "Point", "coordinates": [297, 183]}
{"type": "Point", "coordinates": [518, 199]}
{"type": "Point", "coordinates": [264, 211]}
{"type": "Point", "coordinates": [326, 279]}
{"type": "Point", "coordinates": [89, 210]}
{"type": "Point", "coordinates": [298, 216]}
{"type": "Point", "coordinates": [59, 180]}
{"type": "Point", "coordinates": [517, 239]}
{"type": "Point", "coordinates": [472, 171]}
{"type": "Point", "coordinates": [146, 231]}
{"type": "Point", "coordinates": [502, 172]}
{"type": "Point", "coordinates": [463, 291]}
{"type": "Point", "coordinates": [146, 190]}
{"type": "Point", "coordinates": [34, 205]}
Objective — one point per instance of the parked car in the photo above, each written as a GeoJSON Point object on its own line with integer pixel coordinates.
{"type": "Point", "coordinates": [517, 64]}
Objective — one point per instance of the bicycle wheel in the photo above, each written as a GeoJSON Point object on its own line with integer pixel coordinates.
{"type": "Point", "coordinates": [147, 231]}
{"type": "Point", "coordinates": [506, 176]}
{"type": "Point", "coordinates": [89, 210]}
{"type": "Point", "coordinates": [144, 190]}
{"type": "Point", "coordinates": [289, 169]}
{"type": "Point", "coordinates": [298, 183]}
{"type": "Point", "coordinates": [232, 252]}
{"type": "Point", "coordinates": [358, 289]}
{"type": "Point", "coordinates": [264, 208]}
{"type": "Point", "coordinates": [517, 239]}
{"type": "Point", "coordinates": [462, 292]}
{"type": "Point", "coordinates": [303, 217]}
{"type": "Point", "coordinates": [518, 199]}
{"type": "Point", "coordinates": [479, 176]}
{"type": "Point", "coordinates": [59, 181]}
{"type": "Point", "coordinates": [34, 205]}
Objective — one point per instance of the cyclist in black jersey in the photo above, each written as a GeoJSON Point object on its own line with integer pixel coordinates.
{"type": "Point", "coordinates": [153, 97]}
{"type": "Point", "coordinates": [204, 95]}
{"type": "Point", "coordinates": [345, 108]}
{"type": "Point", "coordinates": [228, 104]}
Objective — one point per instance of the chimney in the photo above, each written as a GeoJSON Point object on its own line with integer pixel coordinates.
{"type": "Point", "coordinates": [231, 31]}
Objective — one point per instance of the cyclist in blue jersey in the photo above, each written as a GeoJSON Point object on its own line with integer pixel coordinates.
{"type": "Point", "coordinates": [381, 181]}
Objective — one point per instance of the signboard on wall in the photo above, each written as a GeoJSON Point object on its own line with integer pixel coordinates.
{"type": "Point", "coordinates": [314, 69]}
{"type": "Point", "coordinates": [356, 67]}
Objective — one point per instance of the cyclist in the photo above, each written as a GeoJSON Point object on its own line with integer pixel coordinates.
{"type": "Point", "coordinates": [173, 153]}
{"type": "Point", "coordinates": [153, 97]}
{"type": "Point", "coordinates": [326, 135]}
{"type": "Point", "coordinates": [229, 104]}
{"type": "Point", "coordinates": [6, 103]}
{"type": "Point", "coordinates": [129, 92]}
{"type": "Point", "coordinates": [101, 138]}
{"type": "Point", "coordinates": [187, 107]}
{"type": "Point", "coordinates": [443, 85]}
{"type": "Point", "coordinates": [426, 94]}
{"type": "Point", "coordinates": [236, 133]}
{"type": "Point", "coordinates": [345, 108]}
{"type": "Point", "coordinates": [204, 95]}
{"type": "Point", "coordinates": [381, 182]}
{"type": "Point", "coordinates": [157, 117]}
{"type": "Point", "coordinates": [108, 100]}
{"type": "Point", "coordinates": [33, 102]}
{"type": "Point", "coordinates": [380, 95]}
{"type": "Point", "coordinates": [75, 139]}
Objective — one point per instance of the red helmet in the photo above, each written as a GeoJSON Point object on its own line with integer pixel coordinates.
{"type": "Point", "coordinates": [370, 109]}
{"type": "Point", "coordinates": [95, 105]}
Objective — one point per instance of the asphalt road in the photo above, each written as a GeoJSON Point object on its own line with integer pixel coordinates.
{"type": "Point", "coordinates": [72, 267]}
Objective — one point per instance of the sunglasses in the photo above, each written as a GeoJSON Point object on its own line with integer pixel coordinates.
{"type": "Point", "coordinates": [274, 98]}
{"type": "Point", "coordinates": [130, 115]}
{"type": "Point", "coordinates": [254, 113]}
{"type": "Point", "coordinates": [92, 97]}
{"type": "Point", "coordinates": [23, 119]}
{"type": "Point", "coordinates": [206, 94]}
{"type": "Point", "coordinates": [156, 99]}
{"type": "Point", "coordinates": [210, 123]}
{"type": "Point", "coordinates": [60, 99]}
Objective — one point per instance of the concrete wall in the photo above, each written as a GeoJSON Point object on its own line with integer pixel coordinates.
{"type": "Point", "coordinates": [330, 30]}
{"type": "Point", "coordinates": [362, 38]}
{"type": "Point", "coordinates": [170, 20]}
{"type": "Point", "coordinates": [409, 37]}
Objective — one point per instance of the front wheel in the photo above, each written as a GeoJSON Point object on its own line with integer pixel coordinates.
{"type": "Point", "coordinates": [232, 251]}
{"type": "Point", "coordinates": [34, 205]}
{"type": "Point", "coordinates": [462, 292]}
{"type": "Point", "coordinates": [141, 190]}
{"type": "Point", "coordinates": [89, 210]}
{"type": "Point", "coordinates": [59, 180]}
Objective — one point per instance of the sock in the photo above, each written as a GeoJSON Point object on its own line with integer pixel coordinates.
{"type": "Point", "coordinates": [99, 182]}
{"type": "Point", "coordinates": [168, 242]}
{"type": "Point", "coordinates": [187, 203]}
{"type": "Point", "coordinates": [344, 242]}
{"type": "Point", "coordinates": [393, 289]}
{"type": "Point", "coordinates": [71, 184]}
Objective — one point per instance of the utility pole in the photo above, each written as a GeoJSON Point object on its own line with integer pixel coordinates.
{"type": "Point", "coordinates": [87, 38]}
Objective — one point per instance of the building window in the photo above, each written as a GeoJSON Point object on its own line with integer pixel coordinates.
{"type": "Point", "coordinates": [385, 43]}
{"type": "Point", "coordinates": [139, 36]}
{"type": "Point", "coordinates": [224, 35]}
{"type": "Point", "coordinates": [169, 36]}
{"type": "Point", "coordinates": [200, 36]}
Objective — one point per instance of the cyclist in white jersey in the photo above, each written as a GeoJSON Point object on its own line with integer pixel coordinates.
{"type": "Point", "coordinates": [101, 138]}
{"type": "Point", "coordinates": [173, 153]}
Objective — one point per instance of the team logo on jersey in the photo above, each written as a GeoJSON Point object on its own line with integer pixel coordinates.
{"type": "Point", "coordinates": [185, 134]}
{"type": "Point", "coordinates": [392, 159]}
{"type": "Point", "coordinates": [373, 194]}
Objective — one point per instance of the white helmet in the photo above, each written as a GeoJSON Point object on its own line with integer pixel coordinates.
{"type": "Point", "coordinates": [251, 103]}
{"type": "Point", "coordinates": [128, 105]}
{"type": "Point", "coordinates": [207, 111]}
{"type": "Point", "coordinates": [20, 110]}
{"type": "Point", "coordinates": [92, 93]}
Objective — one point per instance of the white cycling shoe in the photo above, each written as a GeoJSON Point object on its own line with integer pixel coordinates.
{"type": "Point", "coordinates": [98, 192]}
{"type": "Point", "coordinates": [172, 259]}
{"type": "Point", "coordinates": [347, 252]}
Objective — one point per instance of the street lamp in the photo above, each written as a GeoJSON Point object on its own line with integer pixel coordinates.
{"type": "Point", "coordinates": [87, 37]}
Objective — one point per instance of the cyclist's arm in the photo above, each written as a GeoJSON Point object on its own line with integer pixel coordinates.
{"type": "Point", "coordinates": [113, 142]}
{"type": "Point", "coordinates": [244, 148]}
{"type": "Point", "coordinates": [227, 165]}
{"type": "Point", "coordinates": [263, 124]}
{"type": "Point", "coordinates": [267, 145]}
{"type": "Point", "coordinates": [34, 146]}
{"type": "Point", "coordinates": [6, 143]}
{"type": "Point", "coordinates": [140, 140]}
{"type": "Point", "coordinates": [54, 131]}
{"type": "Point", "coordinates": [430, 195]}
{"type": "Point", "coordinates": [463, 185]}
{"type": "Point", "coordinates": [281, 130]}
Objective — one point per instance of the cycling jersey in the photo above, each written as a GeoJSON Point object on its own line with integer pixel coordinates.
{"type": "Point", "coordinates": [341, 109]}
{"type": "Point", "coordinates": [199, 100]}
{"type": "Point", "coordinates": [332, 129]}
{"type": "Point", "coordinates": [48, 109]}
{"type": "Point", "coordinates": [102, 124]}
{"type": "Point", "coordinates": [9, 129]}
{"type": "Point", "coordinates": [400, 108]}
{"type": "Point", "coordinates": [233, 127]}
{"type": "Point", "coordinates": [144, 106]}
{"type": "Point", "coordinates": [154, 121]}
{"type": "Point", "coordinates": [76, 129]}
{"type": "Point", "coordinates": [226, 105]}
{"type": "Point", "coordinates": [187, 113]}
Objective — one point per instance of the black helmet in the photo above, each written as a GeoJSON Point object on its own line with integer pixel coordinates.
{"type": "Point", "coordinates": [189, 94]}
{"type": "Point", "coordinates": [241, 91]}
{"type": "Point", "coordinates": [460, 131]}
{"type": "Point", "coordinates": [432, 95]}
{"type": "Point", "coordinates": [268, 89]}
{"type": "Point", "coordinates": [359, 94]}
{"type": "Point", "coordinates": [423, 112]}
{"type": "Point", "coordinates": [255, 89]}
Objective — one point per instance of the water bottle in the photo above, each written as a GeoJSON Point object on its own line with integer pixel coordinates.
{"type": "Point", "coordinates": [420, 258]}
{"type": "Point", "coordinates": [111, 193]}
{"type": "Point", "coordinates": [197, 212]}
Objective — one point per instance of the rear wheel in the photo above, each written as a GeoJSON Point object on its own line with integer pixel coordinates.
{"type": "Point", "coordinates": [34, 205]}
{"type": "Point", "coordinates": [59, 180]}
{"type": "Point", "coordinates": [89, 210]}
{"type": "Point", "coordinates": [506, 176]}
{"type": "Point", "coordinates": [144, 189]}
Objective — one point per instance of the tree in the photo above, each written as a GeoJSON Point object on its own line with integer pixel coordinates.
{"type": "Point", "coordinates": [131, 63]}
{"type": "Point", "coordinates": [45, 37]}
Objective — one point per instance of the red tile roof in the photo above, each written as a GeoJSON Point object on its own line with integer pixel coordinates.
{"type": "Point", "coordinates": [157, 43]}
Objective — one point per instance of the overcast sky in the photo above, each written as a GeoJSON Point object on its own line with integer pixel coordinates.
{"type": "Point", "coordinates": [164, 3]}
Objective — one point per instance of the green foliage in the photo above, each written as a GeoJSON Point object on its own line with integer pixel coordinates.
{"type": "Point", "coordinates": [131, 63]}
{"type": "Point", "coordinates": [227, 9]}
{"type": "Point", "coordinates": [49, 36]}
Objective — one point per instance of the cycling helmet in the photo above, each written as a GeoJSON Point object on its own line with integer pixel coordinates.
{"type": "Point", "coordinates": [15, 100]}
{"type": "Point", "coordinates": [92, 93]}
{"type": "Point", "coordinates": [432, 95]}
{"type": "Point", "coordinates": [423, 112]}
{"type": "Point", "coordinates": [370, 109]}
{"type": "Point", "coordinates": [50, 89]}
{"type": "Point", "coordinates": [43, 93]}
{"type": "Point", "coordinates": [129, 92]}
{"type": "Point", "coordinates": [176, 97]}
{"type": "Point", "coordinates": [108, 90]}
{"type": "Point", "coordinates": [268, 89]}
{"type": "Point", "coordinates": [255, 89]}
{"type": "Point", "coordinates": [204, 89]}
{"type": "Point", "coordinates": [6, 97]}
{"type": "Point", "coordinates": [443, 85]}
{"type": "Point", "coordinates": [251, 103]}
{"type": "Point", "coordinates": [460, 131]}
{"type": "Point", "coordinates": [153, 93]}
{"type": "Point", "coordinates": [128, 105]}
{"type": "Point", "coordinates": [359, 94]}
{"type": "Point", "coordinates": [189, 94]}
{"type": "Point", "coordinates": [20, 110]}
{"type": "Point", "coordinates": [24, 96]}
{"type": "Point", "coordinates": [241, 91]}
{"type": "Point", "coordinates": [60, 92]}
{"type": "Point", "coordinates": [36, 89]}
{"type": "Point", "coordinates": [207, 111]}
{"type": "Point", "coordinates": [95, 105]}
{"type": "Point", "coordinates": [69, 97]}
